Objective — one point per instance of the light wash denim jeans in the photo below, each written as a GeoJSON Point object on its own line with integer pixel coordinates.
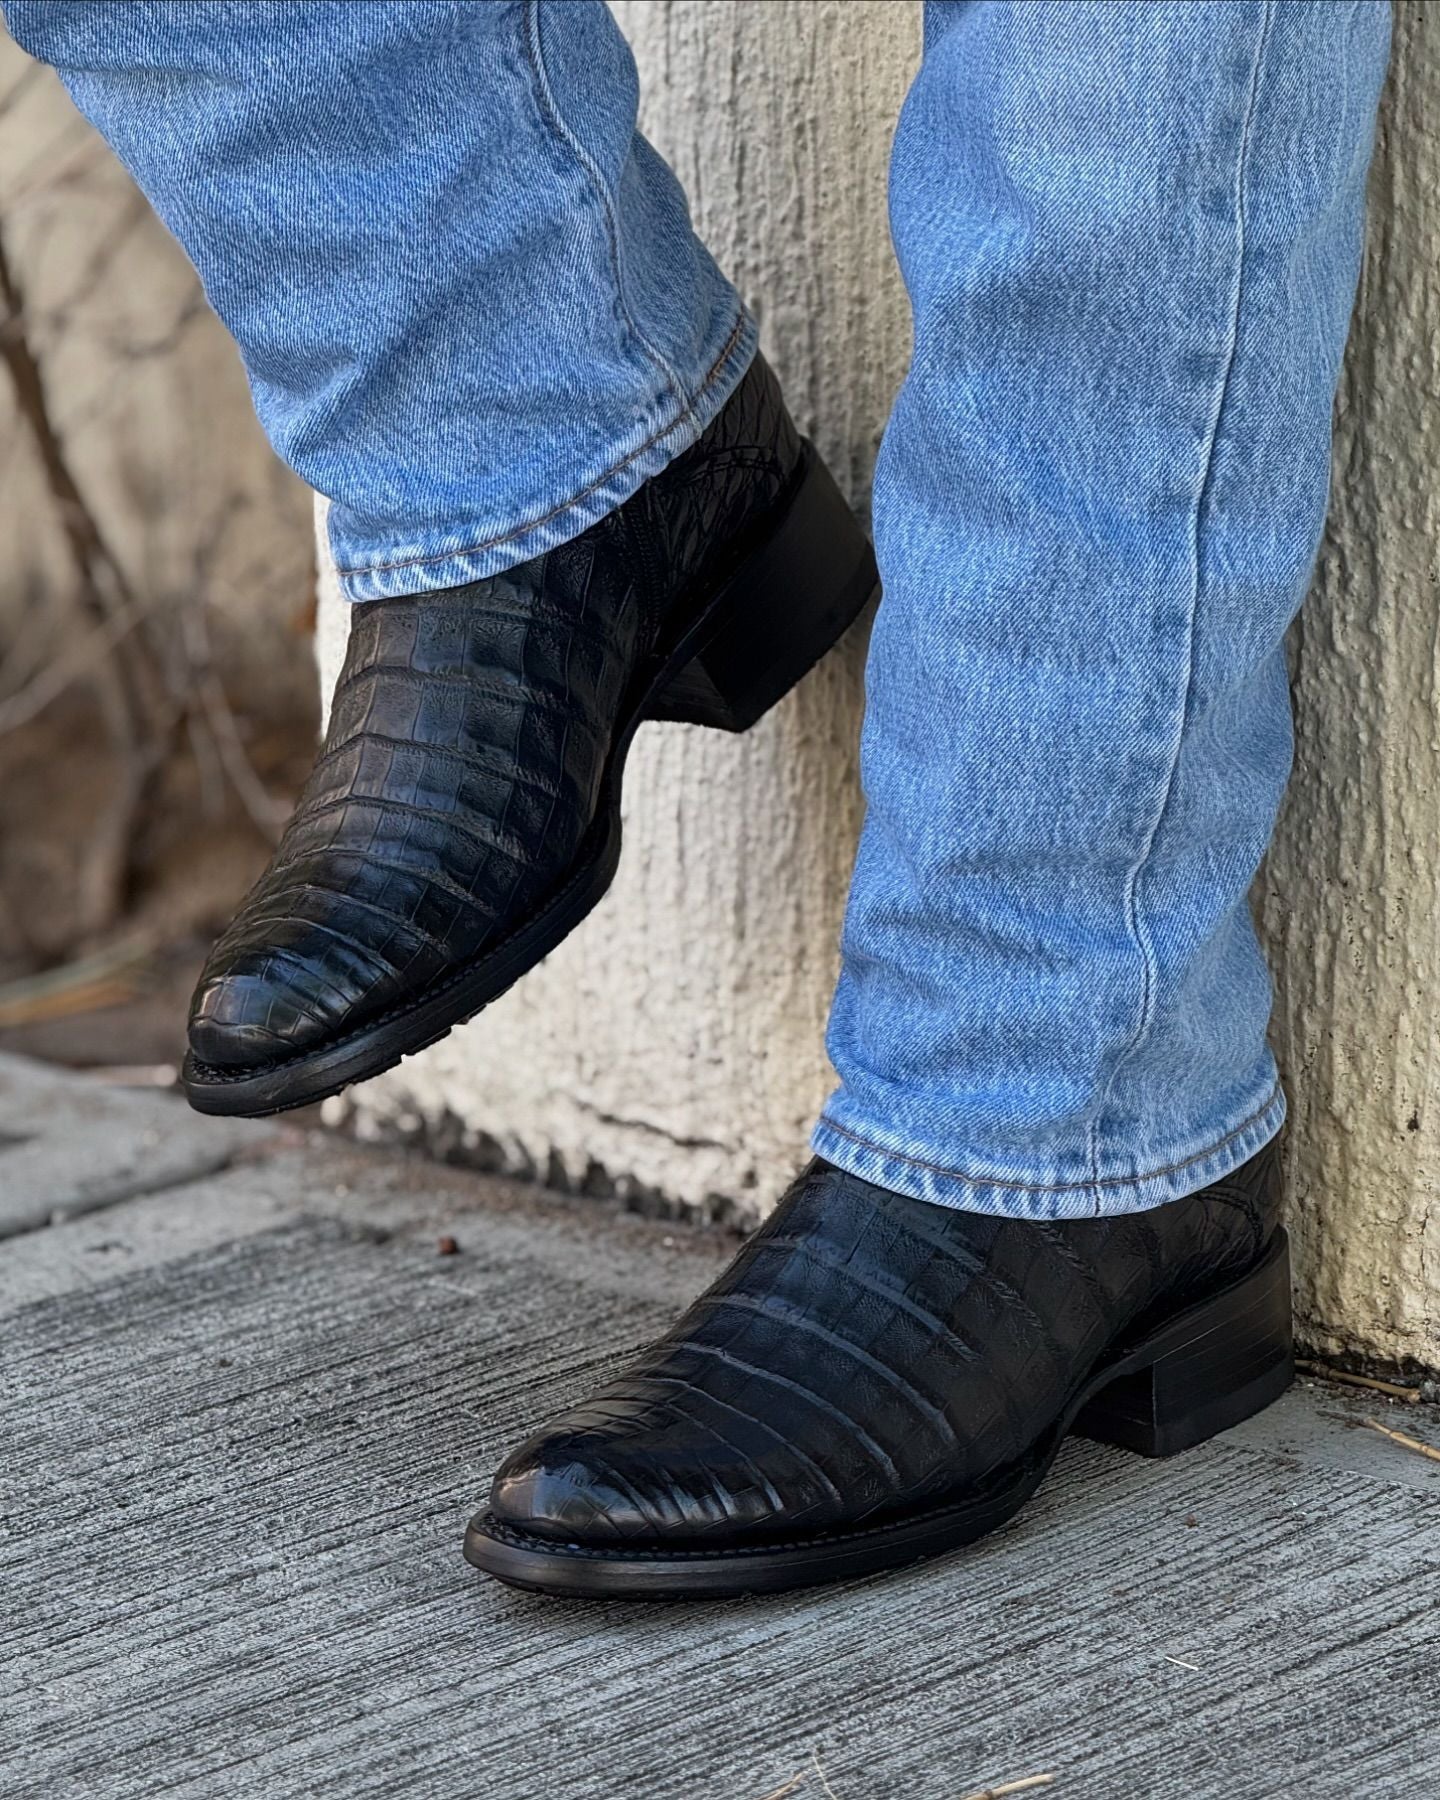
{"type": "Point", "coordinates": [475, 315]}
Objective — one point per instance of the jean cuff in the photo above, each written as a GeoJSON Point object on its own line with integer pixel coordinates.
{"type": "Point", "coordinates": [454, 558]}
{"type": "Point", "coordinates": [1020, 1195]}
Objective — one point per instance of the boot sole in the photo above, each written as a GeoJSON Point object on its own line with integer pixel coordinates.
{"type": "Point", "coordinates": [1203, 1371]}
{"type": "Point", "coordinates": [770, 620]}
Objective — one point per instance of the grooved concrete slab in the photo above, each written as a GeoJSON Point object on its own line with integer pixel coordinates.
{"type": "Point", "coordinates": [243, 1424]}
{"type": "Point", "coordinates": [69, 1145]}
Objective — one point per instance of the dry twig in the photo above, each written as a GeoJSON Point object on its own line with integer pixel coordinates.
{"type": "Point", "coordinates": [97, 264]}
{"type": "Point", "coordinates": [797, 1782]}
{"type": "Point", "coordinates": [1402, 1438]}
{"type": "Point", "coordinates": [128, 685]}
{"type": "Point", "coordinates": [267, 814]}
{"type": "Point", "coordinates": [1025, 1783]}
{"type": "Point", "coordinates": [786, 1788]}
{"type": "Point", "coordinates": [47, 684]}
{"type": "Point", "coordinates": [1392, 1388]}
{"type": "Point", "coordinates": [820, 1772]}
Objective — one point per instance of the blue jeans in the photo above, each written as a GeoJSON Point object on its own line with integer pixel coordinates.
{"type": "Point", "coordinates": [476, 316]}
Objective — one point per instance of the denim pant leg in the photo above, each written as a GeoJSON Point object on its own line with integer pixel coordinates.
{"type": "Point", "coordinates": [467, 292]}
{"type": "Point", "coordinates": [1131, 236]}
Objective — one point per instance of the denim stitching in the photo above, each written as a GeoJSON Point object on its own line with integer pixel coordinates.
{"type": "Point", "coordinates": [1133, 919]}
{"type": "Point", "coordinates": [535, 48]}
{"type": "Point", "coordinates": [1059, 1187]}
{"type": "Point", "coordinates": [687, 411]}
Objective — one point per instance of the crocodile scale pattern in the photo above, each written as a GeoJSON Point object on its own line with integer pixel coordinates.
{"type": "Point", "coordinates": [866, 1356]}
{"type": "Point", "coordinates": [467, 744]}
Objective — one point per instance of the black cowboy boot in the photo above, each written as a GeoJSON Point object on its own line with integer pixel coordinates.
{"type": "Point", "coordinates": [464, 813]}
{"type": "Point", "coordinates": [876, 1379]}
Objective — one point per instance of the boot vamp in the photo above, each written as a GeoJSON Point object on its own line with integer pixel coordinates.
{"type": "Point", "coordinates": [865, 1357]}
{"type": "Point", "coordinates": [459, 776]}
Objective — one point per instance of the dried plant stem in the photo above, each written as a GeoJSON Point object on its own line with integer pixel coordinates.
{"type": "Point", "coordinates": [1022, 1786]}
{"type": "Point", "coordinates": [128, 686]}
{"type": "Point", "coordinates": [49, 683]}
{"type": "Point", "coordinates": [267, 814]}
{"type": "Point", "coordinates": [798, 1782]}
{"type": "Point", "coordinates": [1392, 1388]}
{"type": "Point", "coordinates": [826, 1788]}
{"type": "Point", "coordinates": [1404, 1439]}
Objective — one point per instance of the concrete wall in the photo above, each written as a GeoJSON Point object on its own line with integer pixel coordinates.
{"type": "Point", "coordinates": [673, 1046]}
{"type": "Point", "coordinates": [1350, 898]}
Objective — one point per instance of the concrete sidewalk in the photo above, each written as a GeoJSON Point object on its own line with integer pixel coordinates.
{"type": "Point", "coordinates": [247, 1407]}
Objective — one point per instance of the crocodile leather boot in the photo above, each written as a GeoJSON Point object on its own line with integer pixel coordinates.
{"type": "Point", "coordinates": [464, 813]}
{"type": "Point", "coordinates": [876, 1379]}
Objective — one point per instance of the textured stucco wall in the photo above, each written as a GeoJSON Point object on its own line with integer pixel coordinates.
{"type": "Point", "coordinates": [674, 1045]}
{"type": "Point", "coordinates": [1351, 892]}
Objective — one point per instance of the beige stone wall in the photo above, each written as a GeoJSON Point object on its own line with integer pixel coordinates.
{"type": "Point", "coordinates": [1350, 897]}
{"type": "Point", "coordinates": [674, 1044]}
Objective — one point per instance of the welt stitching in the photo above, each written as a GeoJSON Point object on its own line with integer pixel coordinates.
{"type": "Point", "coordinates": [1059, 1187]}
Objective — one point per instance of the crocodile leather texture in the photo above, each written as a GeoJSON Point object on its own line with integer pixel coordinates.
{"type": "Point", "coordinates": [466, 749]}
{"type": "Point", "coordinates": [866, 1356]}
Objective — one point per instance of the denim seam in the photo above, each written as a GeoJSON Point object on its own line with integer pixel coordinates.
{"type": "Point", "coordinates": [550, 107]}
{"type": "Point", "coordinates": [1058, 1187]}
{"type": "Point", "coordinates": [1133, 915]}
{"type": "Point", "coordinates": [712, 374]}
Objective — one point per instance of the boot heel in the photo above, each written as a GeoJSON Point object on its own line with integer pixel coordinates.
{"type": "Point", "coordinates": [1205, 1371]}
{"type": "Point", "coordinates": [778, 614]}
